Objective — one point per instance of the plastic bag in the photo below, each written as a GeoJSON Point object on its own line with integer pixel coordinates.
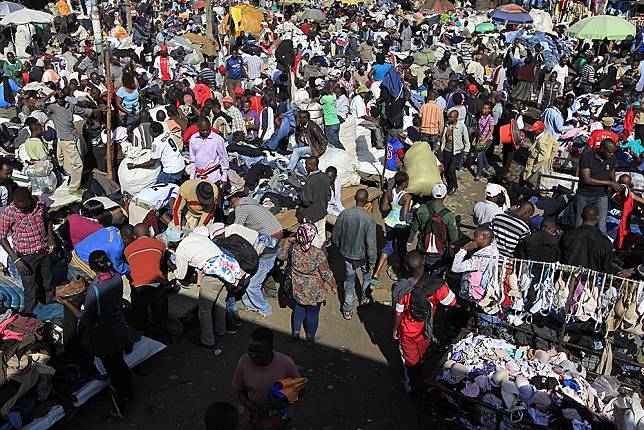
{"type": "Point", "coordinates": [422, 167]}
{"type": "Point", "coordinates": [42, 177]}
{"type": "Point", "coordinates": [346, 164]}
{"type": "Point", "coordinates": [607, 387]}
{"type": "Point", "coordinates": [348, 134]}
{"type": "Point", "coordinates": [134, 180]}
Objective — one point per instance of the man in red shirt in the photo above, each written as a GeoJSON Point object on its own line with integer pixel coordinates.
{"type": "Point", "coordinates": [410, 333]}
{"type": "Point", "coordinates": [145, 256]}
{"type": "Point", "coordinates": [597, 136]}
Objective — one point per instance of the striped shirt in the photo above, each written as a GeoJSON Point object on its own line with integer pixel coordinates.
{"type": "Point", "coordinates": [508, 231]}
{"type": "Point", "coordinates": [208, 75]}
{"type": "Point", "coordinates": [588, 74]}
{"type": "Point", "coordinates": [431, 118]}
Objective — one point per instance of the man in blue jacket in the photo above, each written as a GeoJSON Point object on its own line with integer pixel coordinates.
{"type": "Point", "coordinates": [111, 240]}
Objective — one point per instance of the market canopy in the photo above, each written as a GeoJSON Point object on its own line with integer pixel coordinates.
{"type": "Point", "coordinates": [438, 6]}
{"type": "Point", "coordinates": [26, 16]}
{"type": "Point", "coordinates": [602, 27]}
{"type": "Point", "coordinates": [511, 14]}
{"type": "Point", "coordinates": [6, 7]}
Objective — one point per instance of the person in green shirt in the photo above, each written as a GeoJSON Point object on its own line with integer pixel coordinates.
{"type": "Point", "coordinates": [13, 68]}
{"type": "Point", "coordinates": [35, 147]}
{"type": "Point", "coordinates": [421, 216]}
{"type": "Point", "coordinates": [331, 120]}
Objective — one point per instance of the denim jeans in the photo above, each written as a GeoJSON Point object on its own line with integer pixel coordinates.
{"type": "Point", "coordinates": [296, 156]}
{"type": "Point", "coordinates": [481, 163]}
{"type": "Point", "coordinates": [350, 268]}
{"type": "Point", "coordinates": [254, 297]}
{"type": "Point", "coordinates": [170, 178]}
{"type": "Point", "coordinates": [287, 126]}
{"type": "Point", "coordinates": [333, 135]}
{"type": "Point", "coordinates": [310, 316]}
{"type": "Point", "coordinates": [602, 204]}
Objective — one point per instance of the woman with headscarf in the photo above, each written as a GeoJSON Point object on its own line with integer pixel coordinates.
{"type": "Point", "coordinates": [308, 274]}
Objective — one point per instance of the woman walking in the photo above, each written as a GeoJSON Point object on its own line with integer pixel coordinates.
{"type": "Point", "coordinates": [309, 272]}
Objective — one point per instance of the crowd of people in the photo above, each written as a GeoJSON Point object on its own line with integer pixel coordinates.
{"type": "Point", "coordinates": [191, 139]}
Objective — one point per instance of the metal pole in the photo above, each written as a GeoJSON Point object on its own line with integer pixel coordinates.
{"type": "Point", "coordinates": [128, 16]}
{"type": "Point", "coordinates": [109, 82]}
{"type": "Point", "coordinates": [95, 15]}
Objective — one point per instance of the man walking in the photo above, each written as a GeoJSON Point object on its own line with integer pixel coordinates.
{"type": "Point", "coordinates": [455, 144]}
{"type": "Point", "coordinates": [354, 235]}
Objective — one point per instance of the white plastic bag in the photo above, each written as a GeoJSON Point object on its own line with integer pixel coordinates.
{"type": "Point", "coordinates": [346, 164]}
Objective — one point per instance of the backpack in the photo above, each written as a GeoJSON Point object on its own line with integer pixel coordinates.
{"type": "Point", "coordinates": [242, 251]}
{"type": "Point", "coordinates": [470, 122]}
{"type": "Point", "coordinates": [435, 232]}
{"type": "Point", "coordinates": [420, 308]}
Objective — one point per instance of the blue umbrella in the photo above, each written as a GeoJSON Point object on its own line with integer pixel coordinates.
{"type": "Point", "coordinates": [511, 14]}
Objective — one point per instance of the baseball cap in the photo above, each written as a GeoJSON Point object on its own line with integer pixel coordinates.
{"type": "Point", "coordinates": [227, 99]}
{"type": "Point", "coordinates": [105, 201]}
{"type": "Point", "coordinates": [258, 81]}
{"type": "Point", "coordinates": [239, 90]}
{"type": "Point", "coordinates": [172, 234]}
{"type": "Point", "coordinates": [473, 89]}
{"type": "Point", "coordinates": [537, 126]}
{"type": "Point", "coordinates": [362, 89]}
{"type": "Point", "coordinates": [439, 191]}
{"type": "Point", "coordinates": [492, 190]}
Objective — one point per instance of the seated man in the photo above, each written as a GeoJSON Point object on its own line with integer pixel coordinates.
{"type": "Point", "coordinates": [310, 140]}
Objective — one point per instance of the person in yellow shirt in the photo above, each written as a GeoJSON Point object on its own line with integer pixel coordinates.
{"type": "Point", "coordinates": [34, 145]}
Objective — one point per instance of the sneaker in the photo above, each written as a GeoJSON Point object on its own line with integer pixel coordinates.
{"type": "Point", "coordinates": [347, 315]}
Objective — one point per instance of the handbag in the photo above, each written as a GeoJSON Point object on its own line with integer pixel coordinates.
{"type": "Point", "coordinates": [285, 292]}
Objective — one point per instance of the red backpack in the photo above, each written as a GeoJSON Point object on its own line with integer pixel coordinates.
{"type": "Point", "coordinates": [435, 232]}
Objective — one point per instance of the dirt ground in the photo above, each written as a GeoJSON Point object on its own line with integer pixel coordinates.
{"type": "Point", "coordinates": [355, 371]}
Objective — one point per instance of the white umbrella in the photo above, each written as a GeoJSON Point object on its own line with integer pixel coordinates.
{"type": "Point", "coordinates": [6, 7]}
{"type": "Point", "coordinates": [26, 16]}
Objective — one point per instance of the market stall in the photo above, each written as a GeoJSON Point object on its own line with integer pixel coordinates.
{"type": "Point", "coordinates": [552, 345]}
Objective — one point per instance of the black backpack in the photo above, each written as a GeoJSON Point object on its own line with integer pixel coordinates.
{"type": "Point", "coordinates": [242, 251]}
{"type": "Point", "coordinates": [435, 232]}
{"type": "Point", "coordinates": [420, 308]}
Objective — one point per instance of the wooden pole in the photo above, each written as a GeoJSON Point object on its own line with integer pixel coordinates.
{"type": "Point", "coordinates": [109, 82]}
{"type": "Point", "coordinates": [128, 16]}
{"type": "Point", "coordinates": [209, 19]}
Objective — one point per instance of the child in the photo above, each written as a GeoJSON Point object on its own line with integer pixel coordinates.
{"type": "Point", "coordinates": [34, 146]}
{"type": "Point", "coordinates": [484, 130]}
{"type": "Point", "coordinates": [398, 203]}
{"type": "Point", "coordinates": [410, 333]}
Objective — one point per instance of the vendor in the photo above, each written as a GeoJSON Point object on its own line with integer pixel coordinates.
{"type": "Point", "coordinates": [195, 204]}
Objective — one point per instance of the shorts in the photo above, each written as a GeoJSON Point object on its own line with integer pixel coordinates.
{"type": "Point", "coordinates": [395, 235]}
{"type": "Point", "coordinates": [412, 350]}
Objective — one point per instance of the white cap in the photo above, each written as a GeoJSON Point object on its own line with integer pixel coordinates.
{"type": "Point", "coordinates": [492, 190]}
{"type": "Point", "coordinates": [439, 191]}
{"type": "Point", "coordinates": [105, 201]}
{"type": "Point", "coordinates": [258, 81]}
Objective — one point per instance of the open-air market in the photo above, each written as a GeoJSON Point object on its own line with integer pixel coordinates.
{"type": "Point", "coordinates": [353, 214]}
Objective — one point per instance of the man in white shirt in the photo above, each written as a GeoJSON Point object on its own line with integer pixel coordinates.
{"type": "Point", "coordinates": [562, 72]}
{"type": "Point", "coordinates": [485, 211]}
{"type": "Point", "coordinates": [157, 199]}
{"type": "Point", "coordinates": [195, 251]}
{"type": "Point", "coordinates": [165, 152]}
{"type": "Point", "coordinates": [359, 111]}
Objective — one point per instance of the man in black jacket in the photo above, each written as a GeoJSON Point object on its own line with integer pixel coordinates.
{"type": "Point", "coordinates": [586, 246]}
{"type": "Point", "coordinates": [542, 245]}
{"type": "Point", "coordinates": [314, 198]}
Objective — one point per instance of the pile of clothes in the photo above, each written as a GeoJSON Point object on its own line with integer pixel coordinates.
{"type": "Point", "coordinates": [544, 387]}
{"type": "Point", "coordinates": [553, 48]}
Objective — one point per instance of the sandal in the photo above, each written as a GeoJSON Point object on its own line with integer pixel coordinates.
{"type": "Point", "coordinates": [347, 315]}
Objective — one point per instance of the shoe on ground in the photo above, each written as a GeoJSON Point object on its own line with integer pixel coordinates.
{"type": "Point", "coordinates": [232, 330]}
{"type": "Point", "coordinates": [347, 315]}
